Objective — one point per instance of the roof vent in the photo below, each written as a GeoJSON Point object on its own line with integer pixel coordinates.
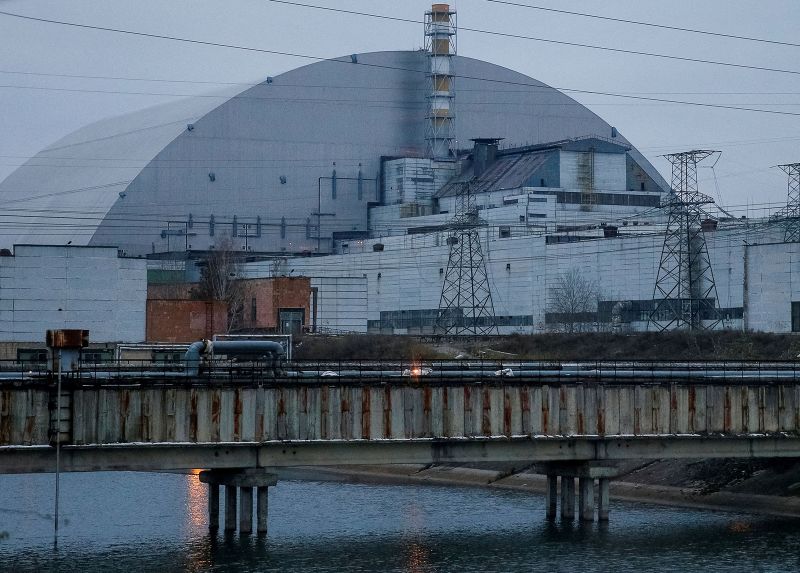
{"type": "Point", "coordinates": [484, 152]}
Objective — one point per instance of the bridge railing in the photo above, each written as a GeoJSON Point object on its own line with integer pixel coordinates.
{"type": "Point", "coordinates": [409, 371]}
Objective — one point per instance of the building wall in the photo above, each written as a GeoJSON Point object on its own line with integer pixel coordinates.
{"type": "Point", "coordinates": [92, 288]}
{"type": "Point", "coordinates": [268, 296]}
{"type": "Point", "coordinates": [341, 304]}
{"type": "Point", "coordinates": [407, 276]}
{"type": "Point", "coordinates": [609, 170]}
{"type": "Point", "coordinates": [185, 320]}
{"type": "Point", "coordinates": [264, 296]}
{"type": "Point", "coordinates": [773, 273]}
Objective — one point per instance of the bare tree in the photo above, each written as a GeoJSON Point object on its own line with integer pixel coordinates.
{"type": "Point", "coordinates": [573, 302]}
{"type": "Point", "coordinates": [220, 280]}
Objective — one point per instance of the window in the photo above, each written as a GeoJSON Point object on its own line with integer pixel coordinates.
{"type": "Point", "coordinates": [641, 187]}
{"type": "Point", "coordinates": [253, 314]}
{"type": "Point", "coordinates": [505, 232]}
{"type": "Point", "coordinates": [32, 355]}
{"type": "Point", "coordinates": [97, 355]}
{"type": "Point", "coordinates": [795, 316]}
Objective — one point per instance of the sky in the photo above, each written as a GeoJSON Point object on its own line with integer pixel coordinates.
{"type": "Point", "coordinates": [56, 78]}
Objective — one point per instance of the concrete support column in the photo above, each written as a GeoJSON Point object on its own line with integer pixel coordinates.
{"type": "Point", "coordinates": [551, 500]}
{"type": "Point", "coordinates": [245, 480]}
{"type": "Point", "coordinates": [586, 498]}
{"type": "Point", "coordinates": [213, 507]}
{"type": "Point", "coordinates": [261, 509]}
{"type": "Point", "coordinates": [245, 510]}
{"type": "Point", "coordinates": [230, 508]}
{"type": "Point", "coordinates": [602, 502]}
{"type": "Point", "coordinates": [567, 497]}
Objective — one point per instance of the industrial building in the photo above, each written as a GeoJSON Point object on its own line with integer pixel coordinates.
{"type": "Point", "coordinates": [361, 172]}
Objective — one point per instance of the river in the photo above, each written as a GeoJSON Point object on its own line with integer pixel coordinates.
{"type": "Point", "coordinates": [157, 522]}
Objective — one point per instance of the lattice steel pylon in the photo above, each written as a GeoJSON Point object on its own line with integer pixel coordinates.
{"type": "Point", "coordinates": [465, 307]}
{"type": "Point", "coordinates": [685, 294]}
{"type": "Point", "coordinates": [790, 215]}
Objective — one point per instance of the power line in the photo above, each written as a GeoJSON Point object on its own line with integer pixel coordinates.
{"type": "Point", "coordinates": [548, 40]}
{"type": "Point", "coordinates": [397, 68]}
{"type": "Point", "coordinates": [649, 24]}
{"type": "Point", "coordinates": [361, 88]}
{"type": "Point", "coordinates": [398, 104]}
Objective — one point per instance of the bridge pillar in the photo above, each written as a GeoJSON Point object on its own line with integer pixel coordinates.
{"type": "Point", "coordinates": [230, 508]}
{"type": "Point", "coordinates": [244, 480]}
{"type": "Point", "coordinates": [213, 507]}
{"type": "Point", "coordinates": [551, 500]}
{"type": "Point", "coordinates": [586, 498]}
{"type": "Point", "coordinates": [245, 510]}
{"type": "Point", "coordinates": [586, 473]}
{"type": "Point", "coordinates": [567, 497]}
{"type": "Point", "coordinates": [602, 501]}
{"type": "Point", "coordinates": [261, 509]}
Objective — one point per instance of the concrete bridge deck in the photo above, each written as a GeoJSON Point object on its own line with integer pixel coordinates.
{"type": "Point", "coordinates": [124, 419]}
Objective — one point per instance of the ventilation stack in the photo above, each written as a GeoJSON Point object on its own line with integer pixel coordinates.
{"type": "Point", "coordinates": [440, 44]}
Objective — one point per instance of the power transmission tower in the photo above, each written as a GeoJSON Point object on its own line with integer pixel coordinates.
{"type": "Point", "coordinates": [790, 215]}
{"type": "Point", "coordinates": [685, 295]}
{"type": "Point", "coordinates": [465, 307]}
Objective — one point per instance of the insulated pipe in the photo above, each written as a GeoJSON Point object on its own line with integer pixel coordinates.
{"type": "Point", "coordinates": [191, 359]}
{"type": "Point", "coordinates": [233, 348]}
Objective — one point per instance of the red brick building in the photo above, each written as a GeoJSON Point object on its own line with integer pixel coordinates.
{"type": "Point", "coordinates": [281, 304]}
{"type": "Point", "coordinates": [184, 320]}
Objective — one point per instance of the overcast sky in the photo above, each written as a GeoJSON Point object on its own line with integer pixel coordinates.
{"type": "Point", "coordinates": [38, 107]}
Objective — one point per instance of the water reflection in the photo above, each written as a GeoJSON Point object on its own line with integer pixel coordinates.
{"type": "Point", "coordinates": [196, 502]}
{"type": "Point", "coordinates": [157, 522]}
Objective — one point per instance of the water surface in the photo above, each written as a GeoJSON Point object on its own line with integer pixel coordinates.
{"type": "Point", "coordinates": [157, 522]}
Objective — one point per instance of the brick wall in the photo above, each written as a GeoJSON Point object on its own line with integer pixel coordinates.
{"type": "Point", "coordinates": [184, 320]}
{"type": "Point", "coordinates": [270, 296]}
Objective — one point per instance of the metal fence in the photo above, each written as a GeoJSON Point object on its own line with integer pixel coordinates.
{"type": "Point", "coordinates": [136, 372]}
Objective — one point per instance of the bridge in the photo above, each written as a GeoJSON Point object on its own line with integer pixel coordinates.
{"type": "Point", "coordinates": [238, 422]}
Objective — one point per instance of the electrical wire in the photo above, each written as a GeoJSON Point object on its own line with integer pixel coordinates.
{"type": "Point", "coordinates": [547, 40]}
{"type": "Point", "coordinates": [358, 63]}
{"type": "Point", "coordinates": [649, 24]}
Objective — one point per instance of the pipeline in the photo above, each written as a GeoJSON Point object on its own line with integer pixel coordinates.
{"type": "Point", "coordinates": [204, 350]}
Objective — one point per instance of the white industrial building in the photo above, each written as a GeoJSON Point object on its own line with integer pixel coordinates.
{"type": "Point", "coordinates": [92, 288]}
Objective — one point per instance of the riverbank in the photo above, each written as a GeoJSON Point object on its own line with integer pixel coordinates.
{"type": "Point", "coordinates": [621, 489]}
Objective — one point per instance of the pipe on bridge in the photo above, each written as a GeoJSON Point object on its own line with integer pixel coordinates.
{"type": "Point", "coordinates": [254, 349]}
